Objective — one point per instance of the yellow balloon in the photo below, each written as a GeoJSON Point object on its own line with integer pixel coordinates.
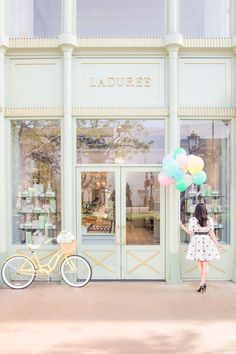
{"type": "Point", "coordinates": [195, 164]}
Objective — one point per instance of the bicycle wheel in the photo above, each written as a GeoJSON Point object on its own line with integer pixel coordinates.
{"type": "Point", "coordinates": [76, 271]}
{"type": "Point", "coordinates": [18, 272]}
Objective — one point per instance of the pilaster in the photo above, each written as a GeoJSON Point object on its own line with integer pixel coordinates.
{"type": "Point", "coordinates": [172, 212]}
{"type": "Point", "coordinates": [3, 203]}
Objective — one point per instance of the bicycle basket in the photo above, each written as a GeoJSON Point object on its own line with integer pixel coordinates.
{"type": "Point", "coordinates": [68, 248]}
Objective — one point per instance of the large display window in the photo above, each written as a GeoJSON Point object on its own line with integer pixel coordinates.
{"type": "Point", "coordinates": [35, 18]}
{"type": "Point", "coordinates": [115, 141]}
{"type": "Point", "coordinates": [204, 18]}
{"type": "Point", "coordinates": [209, 139]}
{"type": "Point", "coordinates": [112, 18]}
{"type": "Point", "coordinates": [36, 180]}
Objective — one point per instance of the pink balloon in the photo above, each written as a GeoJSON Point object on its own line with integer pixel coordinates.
{"type": "Point", "coordinates": [182, 160]}
{"type": "Point", "coordinates": [165, 180]}
{"type": "Point", "coordinates": [188, 178]}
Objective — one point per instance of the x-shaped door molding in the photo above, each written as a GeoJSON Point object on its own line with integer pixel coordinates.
{"type": "Point", "coordinates": [143, 262]}
{"type": "Point", "coordinates": [99, 262]}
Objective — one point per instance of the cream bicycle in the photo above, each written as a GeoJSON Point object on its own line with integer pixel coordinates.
{"type": "Point", "coordinates": [19, 271]}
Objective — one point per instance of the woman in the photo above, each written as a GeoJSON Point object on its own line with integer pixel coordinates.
{"type": "Point", "coordinates": [203, 244]}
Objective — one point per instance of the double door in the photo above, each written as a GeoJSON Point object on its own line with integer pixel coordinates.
{"type": "Point", "coordinates": [120, 221]}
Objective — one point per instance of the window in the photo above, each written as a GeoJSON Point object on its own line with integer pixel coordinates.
{"type": "Point", "coordinates": [35, 18]}
{"type": "Point", "coordinates": [36, 180]}
{"type": "Point", "coordinates": [209, 139]}
{"type": "Point", "coordinates": [120, 141]}
{"type": "Point", "coordinates": [204, 18]}
{"type": "Point", "coordinates": [120, 18]}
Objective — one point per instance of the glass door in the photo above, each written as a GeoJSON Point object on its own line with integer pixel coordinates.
{"type": "Point", "coordinates": [142, 220]}
{"type": "Point", "coordinates": [98, 219]}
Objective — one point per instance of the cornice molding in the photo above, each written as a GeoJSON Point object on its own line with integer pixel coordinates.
{"type": "Point", "coordinates": [120, 111]}
{"type": "Point", "coordinates": [123, 42]}
{"type": "Point", "coordinates": [34, 112]}
{"type": "Point", "coordinates": [207, 42]}
{"type": "Point", "coordinates": [207, 111]}
{"type": "Point", "coordinates": [33, 43]}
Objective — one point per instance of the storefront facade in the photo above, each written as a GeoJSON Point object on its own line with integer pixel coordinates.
{"type": "Point", "coordinates": [85, 123]}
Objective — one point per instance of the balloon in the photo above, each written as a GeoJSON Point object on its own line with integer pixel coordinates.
{"type": "Point", "coordinates": [182, 160]}
{"type": "Point", "coordinates": [178, 174]}
{"type": "Point", "coordinates": [199, 178]}
{"type": "Point", "coordinates": [166, 159]}
{"type": "Point", "coordinates": [181, 184]}
{"type": "Point", "coordinates": [195, 164]}
{"type": "Point", "coordinates": [171, 168]}
{"type": "Point", "coordinates": [188, 178]}
{"type": "Point", "coordinates": [179, 151]}
{"type": "Point", "coordinates": [165, 180]}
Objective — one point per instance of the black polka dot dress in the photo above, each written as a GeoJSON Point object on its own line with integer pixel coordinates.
{"type": "Point", "coordinates": [201, 246]}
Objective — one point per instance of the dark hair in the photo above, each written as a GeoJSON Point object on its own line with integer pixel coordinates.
{"type": "Point", "coordinates": [200, 214]}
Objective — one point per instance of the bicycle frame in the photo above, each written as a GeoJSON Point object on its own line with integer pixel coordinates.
{"type": "Point", "coordinates": [44, 269]}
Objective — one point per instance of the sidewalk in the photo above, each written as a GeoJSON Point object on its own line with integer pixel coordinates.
{"type": "Point", "coordinates": [118, 317]}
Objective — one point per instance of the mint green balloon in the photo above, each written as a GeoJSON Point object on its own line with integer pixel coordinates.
{"type": "Point", "coordinates": [199, 178]}
{"type": "Point", "coordinates": [179, 151]}
{"type": "Point", "coordinates": [181, 184]}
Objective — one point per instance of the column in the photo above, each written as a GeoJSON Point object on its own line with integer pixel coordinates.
{"type": "Point", "coordinates": [67, 147]}
{"type": "Point", "coordinates": [3, 216]}
{"type": "Point", "coordinates": [233, 27]}
{"type": "Point", "coordinates": [173, 41]}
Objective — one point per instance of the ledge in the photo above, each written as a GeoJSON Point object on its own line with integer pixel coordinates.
{"type": "Point", "coordinates": [207, 112]}
{"type": "Point", "coordinates": [120, 111]}
{"type": "Point", "coordinates": [34, 112]}
{"type": "Point", "coordinates": [33, 43]}
{"type": "Point", "coordinates": [207, 42]}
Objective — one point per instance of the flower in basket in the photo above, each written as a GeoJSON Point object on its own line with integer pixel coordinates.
{"type": "Point", "coordinates": [65, 237]}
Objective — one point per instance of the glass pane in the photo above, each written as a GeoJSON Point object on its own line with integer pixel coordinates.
{"type": "Point", "coordinates": [36, 180]}
{"type": "Point", "coordinates": [98, 199]}
{"type": "Point", "coordinates": [120, 18]}
{"type": "Point", "coordinates": [120, 141]}
{"type": "Point", "coordinates": [211, 141]}
{"type": "Point", "coordinates": [204, 18]}
{"type": "Point", "coordinates": [142, 208]}
{"type": "Point", "coordinates": [35, 18]}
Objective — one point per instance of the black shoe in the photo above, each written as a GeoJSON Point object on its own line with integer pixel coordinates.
{"type": "Point", "coordinates": [205, 287]}
{"type": "Point", "coordinates": [201, 289]}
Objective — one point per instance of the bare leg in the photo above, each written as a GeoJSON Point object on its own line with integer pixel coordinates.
{"type": "Point", "coordinates": [204, 272]}
{"type": "Point", "coordinates": [199, 263]}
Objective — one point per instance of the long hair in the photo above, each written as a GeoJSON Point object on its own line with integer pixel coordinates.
{"type": "Point", "coordinates": [200, 214]}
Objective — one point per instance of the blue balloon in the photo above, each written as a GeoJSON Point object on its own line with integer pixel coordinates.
{"type": "Point", "coordinates": [171, 168]}
{"type": "Point", "coordinates": [199, 178]}
{"type": "Point", "coordinates": [179, 174]}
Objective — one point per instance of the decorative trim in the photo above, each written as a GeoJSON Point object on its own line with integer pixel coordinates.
{"type": "Point", "coordinates": [33, 43]}
{"type": "Point", "coordinates": [123, 42]}
{"type": "Point", "coordinates": [207, 112]}
{"type": "Point", "coordinates": [120, 111]}
{"type": "Point", "coordinates": [34, 112]}
{"type": "Point", "coordinates": [207, 42]}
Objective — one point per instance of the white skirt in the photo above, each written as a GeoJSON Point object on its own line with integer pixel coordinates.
{"type": "Point", "coordinates": [202, 248]}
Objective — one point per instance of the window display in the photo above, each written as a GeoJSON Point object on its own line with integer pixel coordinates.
{"type": "Point", "coordinates": [36, 192]}
{"type": "Point", "coordinates": [211, 141]}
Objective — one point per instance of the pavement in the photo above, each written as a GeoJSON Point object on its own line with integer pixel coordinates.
{"type": "Point", "coordinates": [118, 317]}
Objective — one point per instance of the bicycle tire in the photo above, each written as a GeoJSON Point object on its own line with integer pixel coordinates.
{"type": "Point", "coordinates": [14, 279]}
{"type": "Point", "coordinates": [80, 275]}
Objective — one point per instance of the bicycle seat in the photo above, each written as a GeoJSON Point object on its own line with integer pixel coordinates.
{"type": "Point", "coordinates": [33, 247]}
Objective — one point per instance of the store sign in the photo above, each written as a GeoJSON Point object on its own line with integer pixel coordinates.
{"type": "Point", "coordinates": [119, 82]}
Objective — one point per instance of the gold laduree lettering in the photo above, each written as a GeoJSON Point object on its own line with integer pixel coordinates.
{"type": "Point", "coordinates": [113, 81]}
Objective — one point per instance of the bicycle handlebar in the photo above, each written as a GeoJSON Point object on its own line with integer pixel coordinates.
{"type": "Point", "coordinates": [50, 240]}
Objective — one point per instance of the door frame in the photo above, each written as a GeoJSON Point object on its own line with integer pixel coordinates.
{"type": "Point", "coordinates": [119, 248]}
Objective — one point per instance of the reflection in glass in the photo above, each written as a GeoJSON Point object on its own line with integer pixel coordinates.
{"type": "Point", "coordinates": [98, 203]}
{"type": "Point", "coordinates": [120, 141]}
{"type": "Point", "coordinates": [204, 18]}
{"type": "Point", "coordinates": [209, 139]}
{"type": "Point", "coordinates": [35, 18]}
{"type": "Point", "coordinates": [111, 18]}
{"type": "Point", "coordinates": [142, 208]}
{"type": "Point", "coordinates": [36, 180]}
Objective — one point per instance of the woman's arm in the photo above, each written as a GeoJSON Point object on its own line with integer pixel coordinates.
{"type": "Point", "coordinates": [214, 239]}
{"type": "Point", "coordinates": [184, 228]}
